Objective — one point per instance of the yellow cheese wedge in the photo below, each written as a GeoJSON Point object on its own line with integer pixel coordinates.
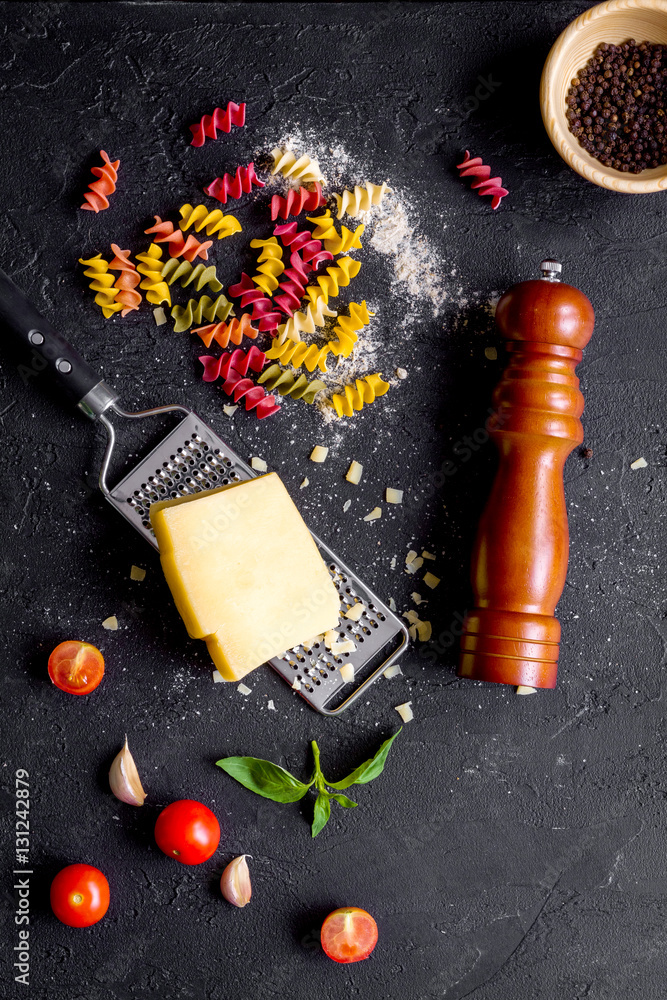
{"type": "Point", "coordinates": [244, 572]}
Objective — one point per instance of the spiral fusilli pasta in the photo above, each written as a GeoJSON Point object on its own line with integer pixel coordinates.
{"type": "Point", "coordinates": [226, 187]}
{"type": "Point", "coordinates": [361, 199]}
{"type": "Point", "coordinates": [189, 248]}
{"type": "Point", "coordinates": [285, 383]}
{"type": "Point", "coordinates": [329, 284]}
{"type": "Point", "coordinates": [356, 396]}
{"type": "Point", "coordinates": [127, 280]}
{"type": "Point", "coordinates": [96, 197]}
{"type": "Point", "coordinates": [270, 264]}
{"type": "Point", "coordinates": [254, 396]}
{"type": "Point", "coordinates": [186, 273]}
{"type": "Point", "coordinates": [102, 283]}
{"type": "Point", "coordinates": [325, 230]}
{"type": "Point", "coordinates": [303, 242]}
{"type": "Point", "coordinates": [485, 183]}
{"type": "Point", "coordinates": [233, 114]}
{"type": "Point", "coordinates": [198, 310]}
{"type": "Point", "coordinates": [296, 202]}
{"type": "Point", "coordinates": [214, 222]}
{"type": "Point", "coordinates": [305, 322]}
{"type": "Point", "coordinates": [346, 328]}
{"type": "Point", "coordinates": [226, 333]}
{"type": "Point", "coordinates": [262, 308]}
{"type": "Point", "coordinates": [238, 361]}
{"type": "Point", "coordinates": [298, 354]}
{"type": "Point", "coordinates": [150, 265]}
{"type": "Point", "coordinates": [302, 169]}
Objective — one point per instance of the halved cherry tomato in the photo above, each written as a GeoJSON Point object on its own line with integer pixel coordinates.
{"type": "Point", "coordinates": [76, 667]}
{"type": "Point", "coordinates": [349, 934]}
{"type": "Point", "coordinates": [79, 895]}
{"type": "Point", "coordinates": [188, 831]}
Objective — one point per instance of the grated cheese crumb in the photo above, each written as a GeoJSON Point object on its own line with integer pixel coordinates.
{"type": "Point", "coordinates": [296, 684]}
{"type": "Point", "coordinates": [393, 496]}
{"type": "Point", "coordinates": [392, 671]}
{"type": "Point", "coordinates": [304, 483]}
{"type": "Point", "coordinates": [258, 463]}
{"type": "Point", "coordinates": [355, 612]}
{"type": "Point", "coordinates": [392, 604]}
{"type": "Point", "coordinates": [401, 373]}
{"type": "Point", "coordinates": [347, 672]}
{"type": "Point", "coordinates": [137, 573]}
{"type": "Point", "coordinates": [392, 564]}
{"type": "Point", "coordinates": [374, 514]}
{"type": "Point", "coordinates": [405, 711]}
{"type": "Point", "coordinates": [111, 623]}
{"type": "Point", "coordinates": [346, 506]}
{"type": "Point", "coordinates": [218, 678]}
{"type": "Point", "coordinates": [524, 689]}
{"type": "Point", "coordinates": [159, 316]}
{"type": "Point", "coordinates": [244, 689]}
{"type": "Point", "coordinates": [229, 411]}
{"type": "Point", "coordinates": [491, 353]}
{"type": "Point", "coordinates": [427, 555]}
{"type": "Point", "coordinates": [319, 453]}
{"type": "Point", "coordinates": [353, 474]}
{"type": "Point", "coordinates": [431, 581]}
{"type": "Point", "coordinates": [271, 707]}
{"type": "Point", "coordinates": [639, 463]}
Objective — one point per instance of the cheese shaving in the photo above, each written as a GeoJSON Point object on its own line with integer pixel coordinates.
{"type": "Point", "coordinates": [217, 677]}
{"type": "Point", "coordinates": [296, 684]}
{"type": "Point", "coordinates": [639, 463]}
{"type": "Point", "coordinates": [427, 555]}
{"type": "Point", "coordinates": [346, 646]}
{"type": "Point", "coordinates": [431, 581]}
{"type": "Point", "coordinates": [412, 631]}
{"type": "Point", "coordinates": [229, 411]}
{"type": "Point", "coordinates": [417, 598]}
{"type": "Point", "coordinates": [319, 453]}
{"type": "Point", "coordinates": [411, 556]}
{"type": "Point", "coordinates": [424, 631]}
{"type": "Point", "coordinates": [244, 689]}
{"type": "Point", "coordinates": [258, 464]}
{"type": "Point", "coordinates": [304, 483]}
{"type": "Point", "coordinates": [347, 672]}
{"type": "Point", "coordinates": [159, 316]}
{"type": "Point", "coordinates": [405, 711]}
{"type": "Point", "coordinates": [374, 514]}
{"type": "Point", "coordinates": [330, 638]}
{"type": "Point", "coordinates": [393, 496]}
{"type": "Point", "coordinates": [137, 573]}
{"type": "Point", "coordinates": [411, 616]}
{"type": "Point", "coordinates": [111, 623]}
{"type": "Point", "coordinates": [353, 474]}
{"type": "Point", "coordinates": [355, 612]}
{"type": "Point", "coordinates": [524, 689]}
{"type": "Point", "coordinates": [392, 604]}
{"type": "Point", "coordinates": [413, 566]}
{"type": "Point", "coordinates": [392, 671]}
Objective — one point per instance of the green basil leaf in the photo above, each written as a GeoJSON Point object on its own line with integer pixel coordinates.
{"type": "Point", "coordinates": [344, 801]}
{"type": "Point", "coordinates": [321, 813]}
{"type": "Point", "coordinates": [370, 769]}
{"type": "Point", "coordinates": [264, 778]}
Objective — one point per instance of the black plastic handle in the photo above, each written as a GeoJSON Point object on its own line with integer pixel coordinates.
{"type": "Point", "coordinates": [47, 349]}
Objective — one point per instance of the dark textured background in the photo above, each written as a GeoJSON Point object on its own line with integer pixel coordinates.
{"type": "Point", "coordinates": [514, 847]}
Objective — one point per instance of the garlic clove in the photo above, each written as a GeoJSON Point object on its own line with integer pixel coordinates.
{"type": "Point", "coordinates": [124, 778]}
{"type": "Point", "coordinates": [235, 882]}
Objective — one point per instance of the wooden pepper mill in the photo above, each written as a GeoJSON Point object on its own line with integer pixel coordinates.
{"type": "Point", "coordinates": [519, 563]}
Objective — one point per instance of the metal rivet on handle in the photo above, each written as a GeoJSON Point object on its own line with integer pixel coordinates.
{"type": "Point", "coordinates": [64, 366]}
{"type": "Point", "coordinates": [36, 337]}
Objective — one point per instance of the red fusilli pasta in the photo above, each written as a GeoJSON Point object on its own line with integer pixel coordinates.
{"type": "Point", "coordinates": [254, 395]}
{"type": "Point", "coordinates": [485, 183]}
{"type": "Point", "coordinates": [238, 361]}
{"type": "Point", "coordinates": [311, 250]}
{"type": "Point", "coordinates": [95, 198]}
{"type": "Point", "coordinates": [262, 308]}
{"type": "Point", "coordinates": [296, 202]}
{"type": "Point", "coordinates": [233, 114]}
{"type": "Point", "coordinates": [226, 187]}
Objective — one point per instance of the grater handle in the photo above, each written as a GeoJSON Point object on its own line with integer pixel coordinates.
{"type": "Point", "coordinates": [48, 350]}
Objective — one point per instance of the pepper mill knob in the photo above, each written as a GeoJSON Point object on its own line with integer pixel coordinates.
{"type": "Point", "coordinates": [519, 562]}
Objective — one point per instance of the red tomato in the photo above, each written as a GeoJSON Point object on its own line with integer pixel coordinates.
{"type": "Point", "coordinates": [76, 667]}
{"type": "Point", "coordinates": [79, 895]}
{"type": "Point", "coordinates": [349, 934]}
{"type": "Point", "coordinates": [188, 831]}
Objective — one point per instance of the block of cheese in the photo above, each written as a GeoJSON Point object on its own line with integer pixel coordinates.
{"type": "Point", "coordinates": [244, 572]}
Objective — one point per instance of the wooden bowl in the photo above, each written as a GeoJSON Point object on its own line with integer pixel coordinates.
{"type": "Point", "coordinates": [614, 22]}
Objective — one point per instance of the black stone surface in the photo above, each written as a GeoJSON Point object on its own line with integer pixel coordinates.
{"type": "Point", "coordinates": [514, 847]}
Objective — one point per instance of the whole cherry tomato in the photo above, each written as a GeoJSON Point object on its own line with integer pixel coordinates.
{"type": "Point", "coordinates": [79, 895]}
{"type": "Point", "coordinates": [349, 934]}
{"type": "Point", "coordinates": [76, 667]}
{"type": "Point", "coordinates": [188, 831]}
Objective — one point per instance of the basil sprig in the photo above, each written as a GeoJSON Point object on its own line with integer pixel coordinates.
{"type": "Point", "coordinates": [275, 783]}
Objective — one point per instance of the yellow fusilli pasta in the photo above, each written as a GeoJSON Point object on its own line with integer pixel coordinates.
{"type": "Point", "coordinates": [346, 328]}
{"type": "Point", "coordinates": [363, 392]}
{"type": "Point", "coordinates": [302, 169]}
{"type": "Point", "coordinates": [325, 230]}
{"type": "Point", "coordinates": [361, 199]}
{"type": "Point", "coordinates": [329, 284]}
{"type": "Point", "coordinates": [299, 354]}
{"type": "Point", "coordinates": [150, 265]}
{"type": "Point", "coordinates": [305, 322]}
{"type": "Point", "coordinates": [97, 269]}
{"type": "Point", "coordinates": [213, 221]}
{"type": "Point", "coordinates": [270, 264]}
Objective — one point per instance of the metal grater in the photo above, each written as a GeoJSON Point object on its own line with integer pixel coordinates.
{"type": "Point", "coordinates": [192, 458]}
